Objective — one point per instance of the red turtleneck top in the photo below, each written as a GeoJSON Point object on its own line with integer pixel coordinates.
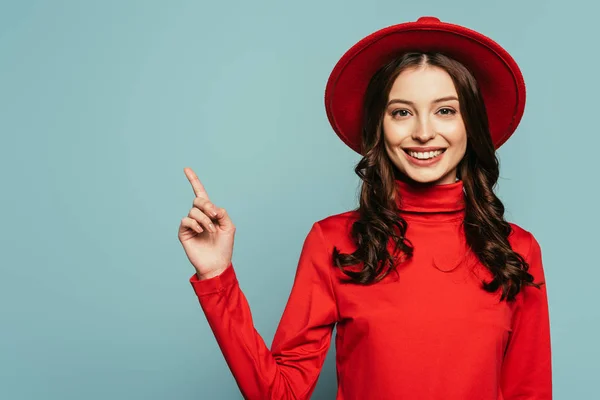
{"type": "Point", "coordinates": [428, 332]}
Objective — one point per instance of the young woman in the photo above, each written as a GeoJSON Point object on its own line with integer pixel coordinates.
{"type": "Point", "coordinates": [434, 294]}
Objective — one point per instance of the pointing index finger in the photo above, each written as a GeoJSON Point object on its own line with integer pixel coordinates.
{"type": "Point", "coordinates": [196, 184]}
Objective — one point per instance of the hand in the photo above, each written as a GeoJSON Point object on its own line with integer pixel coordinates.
{"type": "Point", "coordinates": [207, 233]}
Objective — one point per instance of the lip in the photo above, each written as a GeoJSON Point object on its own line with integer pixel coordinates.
{"type": "Point", "coordinates": [423, 149]}
{"type": "Point", "coordinates": [423, 163]}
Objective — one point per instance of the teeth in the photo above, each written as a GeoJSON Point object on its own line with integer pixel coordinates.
{"type": "Point", "coordinates": [426, 155]}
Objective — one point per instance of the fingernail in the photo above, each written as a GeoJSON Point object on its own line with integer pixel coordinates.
{"type": "Point", "coordinates": [212, 228]}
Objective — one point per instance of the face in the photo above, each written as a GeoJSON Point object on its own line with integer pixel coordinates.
{"type": "Point", "coordinates": [424, 132]}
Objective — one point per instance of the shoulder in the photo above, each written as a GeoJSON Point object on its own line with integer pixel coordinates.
{"type": "Point", "coordinates": [521, 240]}
{"type": "Point", "coordinates": [336, 222]}
{"type": "Point", "coordinates": [525, 243]}
{"type": "Point", "coordinates": [335, 229]}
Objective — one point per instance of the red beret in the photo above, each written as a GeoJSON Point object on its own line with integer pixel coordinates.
{"type": "Point", "coordinates": [498, 75]}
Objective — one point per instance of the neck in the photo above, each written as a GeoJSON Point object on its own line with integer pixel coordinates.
{"type": "Point", "coordinates": [443, 202]}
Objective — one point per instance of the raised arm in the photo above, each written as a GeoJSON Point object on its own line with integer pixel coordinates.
{"type": "Point", "coordinates": [289, 370]}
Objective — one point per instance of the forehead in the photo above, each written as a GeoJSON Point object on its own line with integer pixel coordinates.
{"type": "Point", "coordinates": [422, 84]}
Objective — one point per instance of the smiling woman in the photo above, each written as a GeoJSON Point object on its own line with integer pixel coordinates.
{"type": "Point", "coordinates": [424, 132]}
{"type": "Point", "coordinates": [464, 315]}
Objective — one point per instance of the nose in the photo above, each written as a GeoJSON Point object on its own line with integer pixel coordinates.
{"type": "Point", "coordinates": [423, 132]}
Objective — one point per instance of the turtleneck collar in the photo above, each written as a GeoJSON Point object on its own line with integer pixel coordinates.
{"type": "Point", "coordinates": [439, 202]}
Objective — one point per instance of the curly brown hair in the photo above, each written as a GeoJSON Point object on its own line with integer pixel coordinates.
{"type": "Point", "coordinates": [379, 220]}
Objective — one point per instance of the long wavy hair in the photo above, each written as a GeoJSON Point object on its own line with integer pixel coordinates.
{"type": "Point", "coordinates": [379, 222]}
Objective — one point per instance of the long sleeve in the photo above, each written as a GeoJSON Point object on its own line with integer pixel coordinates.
{"type": "Point", "coordinates": [289, 370]}
{"type": "Point", "coordinates": [527, 367]}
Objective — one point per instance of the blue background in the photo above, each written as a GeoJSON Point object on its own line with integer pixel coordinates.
{"type": "Point", "coordinates": [102, 105]}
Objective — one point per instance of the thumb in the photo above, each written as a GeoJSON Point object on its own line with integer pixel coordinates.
{"type": "Point", "coordinates": [223, 219]}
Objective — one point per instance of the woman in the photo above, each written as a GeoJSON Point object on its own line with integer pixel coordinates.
{"type": "Point", "coordinates": [434, 294]}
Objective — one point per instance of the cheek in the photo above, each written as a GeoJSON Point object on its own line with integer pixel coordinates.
{"type": "Point", "coordinates": [463, 144]}
{"type": "Point", "coordinates": [459, 148]}
{"type": "Point", "coordinates": [458, 139]}
{"type": "Point", "coordinates": [393, 133]}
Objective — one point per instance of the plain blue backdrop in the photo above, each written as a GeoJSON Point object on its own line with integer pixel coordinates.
{"type": "Point", "coordinates": [102, 105]}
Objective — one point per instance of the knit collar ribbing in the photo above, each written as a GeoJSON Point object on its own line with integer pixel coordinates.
{"type": "Point", "coordinates": [430, 199]}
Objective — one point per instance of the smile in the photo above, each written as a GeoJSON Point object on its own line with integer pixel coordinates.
{"type": "Point", "coordinates": [427, 155]}
{"type": "Point", "coordinates": [424, 158]}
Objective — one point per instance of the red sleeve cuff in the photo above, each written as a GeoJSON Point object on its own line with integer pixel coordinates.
{"type": "Point", "coordinates": [215, 284]}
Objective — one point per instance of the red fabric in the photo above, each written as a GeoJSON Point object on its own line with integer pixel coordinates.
{"type": "Point", "coordinates": [498, 75]}
{"type": "Point", "coordinates": [429, 332]}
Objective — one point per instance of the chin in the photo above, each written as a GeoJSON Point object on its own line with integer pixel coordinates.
{"type": "Point", "coordinates": [424, 179]}
{"type": "Point", "coordinates": [427, 177]}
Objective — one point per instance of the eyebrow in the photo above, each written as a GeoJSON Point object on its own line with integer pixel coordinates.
{"type": "Point", "coordinates": [413, 104]}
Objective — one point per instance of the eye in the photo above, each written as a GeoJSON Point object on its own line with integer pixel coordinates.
{"type": "Point", "coordinates": [399, 113]}
{"type": "Point", "coordinates": [450, 111]}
